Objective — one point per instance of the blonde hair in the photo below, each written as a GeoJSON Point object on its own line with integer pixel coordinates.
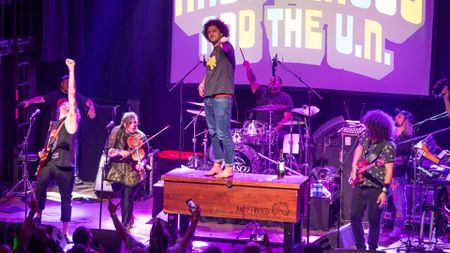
{"type": "Point", "coordinates": [126, 118]}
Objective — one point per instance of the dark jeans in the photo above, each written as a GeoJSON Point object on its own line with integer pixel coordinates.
{"type": "Point", "coordinates": [64, 178]}
{"type": "Point", "coordinates": [362, 199]}
{"type": "Point", "coordinates": [218, 116]}
{"type": "Point", "coordinates": [127, 201]}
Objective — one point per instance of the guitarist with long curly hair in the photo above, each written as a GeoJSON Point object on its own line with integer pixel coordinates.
{"type": "Point", "coordinates": [372, 186]}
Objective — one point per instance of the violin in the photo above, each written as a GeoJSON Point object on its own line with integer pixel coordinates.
{"type": "Point", "coordinates": [135, 143]}
{"type": "Point", "coordinates": [137, 152]}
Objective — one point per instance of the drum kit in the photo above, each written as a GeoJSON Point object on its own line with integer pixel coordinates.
{"type": "Point", "coordinates": [253, 142]}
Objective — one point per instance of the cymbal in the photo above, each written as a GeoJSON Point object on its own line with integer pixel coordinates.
{"type": "Point", "coordinates": [304, 110]}
{"type": "Point", "coordinates": [293, 123]}
{"type": "Point", "coordinates": [269, 107]}
{"type": "Point", "coordinates": [202, 113]}
{"type": "Point", "coordinates": [196, 103]}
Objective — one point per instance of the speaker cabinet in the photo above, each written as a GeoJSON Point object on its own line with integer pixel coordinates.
{"type": "Point", "coordinates": [91, 140]}
{"type": "Point", "coordinates": [349, 143]}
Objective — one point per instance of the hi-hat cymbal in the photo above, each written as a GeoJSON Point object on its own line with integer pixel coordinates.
{"type": "Point", "coordinates": [305, 110]}
{"type": "Point", "coordinates": [293, 123]}
{"type": "Point", "coordinates": [270, 107]}
{"type": "Point", "coordinates": [202, 113]}
{"type": "Point", "coordinates": [196, 103]}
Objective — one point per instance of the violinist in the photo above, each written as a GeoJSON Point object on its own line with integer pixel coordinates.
{"type": "Point", "coordinates": [127, 148]}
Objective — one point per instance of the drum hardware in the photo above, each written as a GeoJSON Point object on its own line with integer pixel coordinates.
{"type": "Point", "coordinates": [270, 107]}
{"type": "Point", "coordinates": [306, 110]}
{"type": "Point", "coordinates": [294, 172]}
{"type": "Point", "coordinates": [181, 83]}
{"type": "Point", "coordinates": [193, 161]}
{"type": "Point", "coordinates": [291, 124]}
{"type": "Point", "coordinates": [202, 113]}
{"type": "Point", "coordinates": [201, 104]}
{"type": "Point", "coordinates": [205, 164]}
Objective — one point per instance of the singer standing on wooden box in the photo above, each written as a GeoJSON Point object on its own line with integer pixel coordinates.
{"type": "Point", "coordinates": [218, 89]}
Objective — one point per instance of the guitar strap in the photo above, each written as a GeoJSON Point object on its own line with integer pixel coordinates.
{"type": "Point", "coordinates": [371, 158]}
{"type": "Point", "coordinates": [53, 137]}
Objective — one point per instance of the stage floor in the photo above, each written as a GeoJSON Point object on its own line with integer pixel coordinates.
{"type": "Point", "coordinates": [86, 212]}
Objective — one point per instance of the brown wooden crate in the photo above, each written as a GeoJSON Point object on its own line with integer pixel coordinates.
{"type": "Point", "coordinates": [244, 196]}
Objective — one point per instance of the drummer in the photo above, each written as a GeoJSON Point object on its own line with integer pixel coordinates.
{"type": "Point", "coordinates": [274, 96]}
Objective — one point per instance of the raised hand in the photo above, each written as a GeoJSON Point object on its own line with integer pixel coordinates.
{"type": "Point", "coordinates": [70, 64]}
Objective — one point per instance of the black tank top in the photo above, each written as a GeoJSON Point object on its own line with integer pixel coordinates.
{"type": "Point", "coordinates": [65, 151]}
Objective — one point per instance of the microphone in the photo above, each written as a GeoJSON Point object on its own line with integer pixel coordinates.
{"type": "Point", "coordinates": [35, 113]}
{"type": "Point", "coordinates": [274, 64]}
{"type": "Point", "coordinates": [110, 124]}
{"type": "Point", "coordinates": [204, 61]}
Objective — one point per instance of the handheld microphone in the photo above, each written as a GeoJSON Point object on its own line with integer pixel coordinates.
{"type": "Point", "coordinates": [110, 124]}
{"type": "Point", "coordinates": [35, 113]}
{"type": "Point", "coordinates": [274, 64]}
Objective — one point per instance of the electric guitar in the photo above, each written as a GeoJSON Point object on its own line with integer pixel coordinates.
{"type": "Point", "coordinates": [44, 154]}
{"type": "Point", "coordinates": [364, 166]}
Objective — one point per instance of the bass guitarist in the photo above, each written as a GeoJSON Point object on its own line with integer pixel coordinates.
{"type": "Point", "coordinates": [375, 144]}
{"type": "Point", "coordinates": [58, 159]}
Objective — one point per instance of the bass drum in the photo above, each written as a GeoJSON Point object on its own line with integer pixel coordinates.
{"type": "Point", "coordinates": [246, 159]}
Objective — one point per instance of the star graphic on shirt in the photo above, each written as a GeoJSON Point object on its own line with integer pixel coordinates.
{"type": "Point", "coordinates": [211, 62]}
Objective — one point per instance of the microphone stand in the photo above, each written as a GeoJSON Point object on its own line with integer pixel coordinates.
{"type": "Point", "coordinates": [307, 140]}
{"type": "Point", "coordinates": [27, 186]}
{"type": "Point", "coordinates": [181, 133]}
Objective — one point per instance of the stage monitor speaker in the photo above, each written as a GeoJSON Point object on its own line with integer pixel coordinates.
{"type": "Point", "coordinates": [358, 251]}
{"type": "Point", "coordinates": [328, 242]}
{"type": "Point", "coordinates": [109, 239]}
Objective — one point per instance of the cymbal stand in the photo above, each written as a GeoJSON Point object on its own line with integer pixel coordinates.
{"type": "Point", "coordinates": [181, 120]}
{"type": "Point", "coordinates": [291, 145]}
{"type": "Point", "coordinates": [193, 160]}
{"type": "Point", "coordinates": [24, 182]}
{"type": "Point", "coordinates": [307, 138]}
{"type": "Point", "coordinates": [270, 132]}
{"type": "Point", "coordinates": [205, 166]}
